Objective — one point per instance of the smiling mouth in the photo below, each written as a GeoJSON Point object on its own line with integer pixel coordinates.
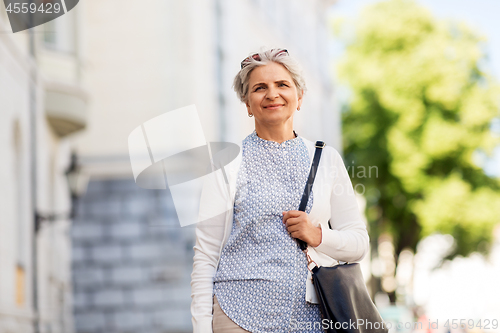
{"type": "Point", "coordinates": [272, 107]}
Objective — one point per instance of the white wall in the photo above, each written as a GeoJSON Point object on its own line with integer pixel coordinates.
{"type": "Point", "coordinates": [15, 217]}
{"type": "Point", "coordinates": [16, 211]}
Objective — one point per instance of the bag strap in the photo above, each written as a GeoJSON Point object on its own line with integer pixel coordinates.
{"type": "Point", "coordinates": [307, 191]}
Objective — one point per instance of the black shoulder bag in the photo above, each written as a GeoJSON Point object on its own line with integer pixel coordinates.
{"type": "Point", "coordinates": [343, 298]}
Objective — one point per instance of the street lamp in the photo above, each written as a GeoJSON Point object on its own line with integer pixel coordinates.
{"type": "Point", "coordinates": [77, 183]}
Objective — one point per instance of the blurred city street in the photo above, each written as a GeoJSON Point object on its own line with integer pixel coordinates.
{"type": "Point", "coordinates": [406, 91]}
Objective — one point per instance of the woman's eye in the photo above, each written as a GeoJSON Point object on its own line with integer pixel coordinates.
{"type": "Point", "coordinates": [283, 84]}
{"type": "Point", "coordinates": [257, 88]}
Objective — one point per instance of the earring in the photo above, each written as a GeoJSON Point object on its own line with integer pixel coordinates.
{"type": "Point", "coordinates": [250, 115]}
{"type": "Point", "coordinates": [298, 109]}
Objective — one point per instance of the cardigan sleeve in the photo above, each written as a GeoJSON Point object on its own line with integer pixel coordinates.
{"type": "Point", "coordinates": [214, 206]}
{"type": "Point", "coordinates": [348, 239]}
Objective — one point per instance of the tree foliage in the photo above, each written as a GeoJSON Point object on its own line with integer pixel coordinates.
{"type": "Point", "coordinates": [420, 110]}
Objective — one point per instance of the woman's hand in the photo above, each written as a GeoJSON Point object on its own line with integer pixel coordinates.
{"type": "Point", "coordinates": [299, 226]}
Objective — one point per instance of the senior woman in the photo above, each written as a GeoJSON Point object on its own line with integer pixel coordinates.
{"type": "Point", "coordinates": [249, 273]}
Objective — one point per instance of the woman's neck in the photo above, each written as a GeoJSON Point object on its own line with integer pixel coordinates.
{"type": "Point", "coordinates": [275, 135]}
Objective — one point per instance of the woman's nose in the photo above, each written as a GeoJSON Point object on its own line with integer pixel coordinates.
{"type": "Point", "coordinates": [272, 93]}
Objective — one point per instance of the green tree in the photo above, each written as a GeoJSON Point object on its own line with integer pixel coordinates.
{"type": "Point", "coordinates": [421, 108]}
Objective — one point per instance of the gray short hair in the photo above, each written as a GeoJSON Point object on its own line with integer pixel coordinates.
{"type": "Point", "coordinates": [240, 83]}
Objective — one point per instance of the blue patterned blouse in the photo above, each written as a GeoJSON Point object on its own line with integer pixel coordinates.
{"type": "Point", "coordinates": [261, 279]}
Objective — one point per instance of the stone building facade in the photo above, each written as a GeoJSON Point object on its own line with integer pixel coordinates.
{"type": "Point", "coordinates": [130, 261]}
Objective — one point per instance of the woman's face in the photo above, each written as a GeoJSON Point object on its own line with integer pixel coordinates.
{"type": "Point", "coordinates": [272, 95]}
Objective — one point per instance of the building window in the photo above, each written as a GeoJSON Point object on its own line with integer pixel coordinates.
{"type": "Point", "coordinates": [59, 34]}
{"type": "Point", "coordinates": [49, 34]}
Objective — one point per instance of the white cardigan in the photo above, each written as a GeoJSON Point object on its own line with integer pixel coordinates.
{"type": "Point", "coordinates": [334, 200]}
